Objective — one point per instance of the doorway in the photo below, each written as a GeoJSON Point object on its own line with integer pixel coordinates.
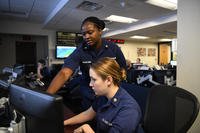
{"type": "Point", "coordinates": [26, 55]}
{"type": "Point", "coordinates": [164, 53]}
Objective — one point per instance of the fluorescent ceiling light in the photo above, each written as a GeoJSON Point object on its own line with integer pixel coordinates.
{"type": "Point", "coordinates": [169, 4]}
{"type": "Point", "coordinates": [121, 19]}
{"type": "Point", "coordinates": [139, 37]}
{"type": "Point", "coordinates": [165, 40]}
{"type": "Point", "coordinates": [106, 29]}
{"type": "Point", "coordinates": [145, 24]}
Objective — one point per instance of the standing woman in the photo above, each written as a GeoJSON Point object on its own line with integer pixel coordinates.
{"type": "Point", "coordinates": [92, 49]}
{"type": "Point", "coordinates": [115, 110]}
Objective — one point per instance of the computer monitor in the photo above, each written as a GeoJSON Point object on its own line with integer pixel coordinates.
{"type": "Point", "coordinates": [135, 73]}
{"type": "Point", "coordinates": [63, 51]}
{"type": "Point", "coordinates": [43, 112]}
{"type": "Point", "coordinates": [173, 63]}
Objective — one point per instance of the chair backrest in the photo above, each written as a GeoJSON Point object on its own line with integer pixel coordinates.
{"type": "Point", "coordinates": [170, 110]}
{"type": "Point", "coordinates": [139, 93]}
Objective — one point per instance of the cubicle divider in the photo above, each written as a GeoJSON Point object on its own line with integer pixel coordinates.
{"type": "Point", "coordinates": [159, 76]}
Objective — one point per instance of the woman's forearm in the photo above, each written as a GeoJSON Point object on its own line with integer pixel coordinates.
{"type": "Point", "coordinates": [81, 118]}
{"type": "Point", "coordinates": [59, 80]}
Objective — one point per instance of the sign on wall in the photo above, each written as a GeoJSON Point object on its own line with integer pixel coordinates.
{"type": "Point", "coordinates": [141, 52]}
{"type": "Point", "coordinates": [151, 52]}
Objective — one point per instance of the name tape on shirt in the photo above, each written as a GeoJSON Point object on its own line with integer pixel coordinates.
{"type": "Point", "coordinates": [87, 62]}
{"type": "Point", "coordinates": [114, 58]}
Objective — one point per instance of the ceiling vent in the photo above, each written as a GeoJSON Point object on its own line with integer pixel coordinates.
{"type": "Point", "coordinates": [89, 6]}
{"type": "Point", "coordinates": [14, 13]}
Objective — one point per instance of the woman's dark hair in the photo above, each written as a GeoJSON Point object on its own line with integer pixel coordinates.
{"type": "Point", "coordinates": [99, 23]}
{"type": "Point", "coordinates": [42, 61]}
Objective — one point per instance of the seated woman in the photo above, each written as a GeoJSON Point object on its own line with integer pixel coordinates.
{"type": "Point", "coordinates": [138, 64]}
{"type": "Point", "coordinates": [43, 72]}
{"type": "Point", "coordinates": [115, 110]}
{"type": "Point", "coordinates": [138, 61]}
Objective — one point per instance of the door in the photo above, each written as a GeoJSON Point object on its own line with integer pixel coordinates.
{"type": "Point", "coordinates": [26, 54]}
{"type": "Point", "coordinates": [164, 54]}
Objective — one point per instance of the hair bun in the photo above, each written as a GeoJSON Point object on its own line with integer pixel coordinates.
{"type": "Point", "coordinates": [102, 24]}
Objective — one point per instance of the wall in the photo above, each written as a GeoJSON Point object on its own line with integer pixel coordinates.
{"type": "Point", "coordinates": [24, 28]}
{"type": "Point", "coordinates": [7, 48]}
{"type": "Point", "coordinates": [188, 63]}
{"type": "Point", "coordinates": [7, 51]}
{"type": "Point", "coordinates": [130, 52]}
{"type": "Point", "coordinates": [11, 27]}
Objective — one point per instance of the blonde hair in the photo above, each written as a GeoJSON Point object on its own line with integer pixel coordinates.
{"type": "Point", "coordinates": [107, 66]}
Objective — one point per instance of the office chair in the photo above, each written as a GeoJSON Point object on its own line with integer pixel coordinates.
{"type": "Point", "coordinates": [170, 110]}
{"type": "Point", "coordinates": [139, 93]}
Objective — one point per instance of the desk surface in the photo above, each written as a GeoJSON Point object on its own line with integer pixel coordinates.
{"type": "Point", "coordinates": [68, 114]}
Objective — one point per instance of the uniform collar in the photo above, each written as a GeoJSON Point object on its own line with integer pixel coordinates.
{"type": "Point", "coordinates": [113, 101]}
{"type": "Point", "coordinates": [117, 97]}
{"type": "Point", "coordinates": [105, 45]}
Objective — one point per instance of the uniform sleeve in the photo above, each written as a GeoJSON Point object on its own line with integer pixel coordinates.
{"type": "Point", "coordinates": [73, 60]}
{"type": "Point", "coordinates": [126, 121]}
{"type": "Point", "coordinates": [94, 105]}
{"type": "Point", "coordinates": [45, 72]}
{"type": "Point", "coordinates": [120, 58]}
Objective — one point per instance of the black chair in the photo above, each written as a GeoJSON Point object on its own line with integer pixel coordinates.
{"type": "Point", "coordinates": [170, 110]}
{"type": "Point", "coordinates": [139, 93]}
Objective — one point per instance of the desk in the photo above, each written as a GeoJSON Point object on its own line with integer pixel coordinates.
{"type": "Point", "coordinates": [21, 82]}
{"type": "Point", "coordinates": [68, 114]}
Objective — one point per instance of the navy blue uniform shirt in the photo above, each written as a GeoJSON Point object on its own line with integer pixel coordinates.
{"type": "Point", "coordinates": [45, 72]}
{"type": "Point", "coordinates": [84, 55]}
{"type": "Point", "coordinates": [121, 114]}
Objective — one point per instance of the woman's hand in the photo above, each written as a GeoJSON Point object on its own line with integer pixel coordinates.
{"type": "Point", "coordinates": [84, 129]}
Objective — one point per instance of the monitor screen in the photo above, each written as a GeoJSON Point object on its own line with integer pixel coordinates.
{"type": "Point", "coordinates": [173, 63]}
{"type": "Point", "coordinates": [63, 51]}
{"type": "Point", "coordinates": [43, 112]}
